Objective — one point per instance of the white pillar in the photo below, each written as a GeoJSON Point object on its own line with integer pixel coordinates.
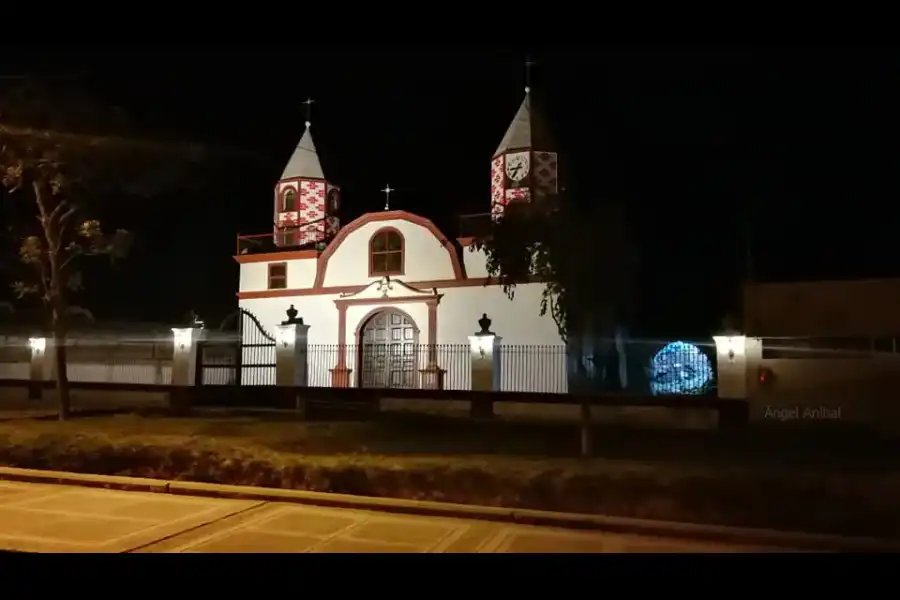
{"type": "Point", "coordinates": [291, 359]}
{"type": "Point", "coordinates": [485, 359]}
{"type": "Point", "coordinates": [731, 359]}
{"type": "Point", "coordinates": [39, 370]}
{"type": "Point", "coordinates": [484, 353]}
{"type": "Point", "coordinates": [184, 355]}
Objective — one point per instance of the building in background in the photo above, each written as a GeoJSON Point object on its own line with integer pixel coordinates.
{"type": "Point", "coordinates": [390, 283]}
{"type": "Point", "coordinates": [824, 344]}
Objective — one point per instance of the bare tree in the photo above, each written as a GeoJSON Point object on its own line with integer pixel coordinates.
{"type": "Point", "coordinates": [63, 155]}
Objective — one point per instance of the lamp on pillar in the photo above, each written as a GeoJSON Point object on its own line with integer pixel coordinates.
{"type": "Point", "coordinates": [483, 339]}
{"type": "Point", "coordinates": [184, 357]}
{"type": "Point", "coordinates": [38, 368]}
{"type": "Point", "coordinates": [186, 370]}
{"type": "Point", "coordinates": [731, 362]}
{"type": "Point", "coordinates": [485, 363]}
{"type": "Point", "coordinates": [291, 361]}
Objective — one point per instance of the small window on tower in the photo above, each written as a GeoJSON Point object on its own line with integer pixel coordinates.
{"type": "Point", "coordinates": [289, 203]}
{"type": "Point", "coordinates": [386, 253]}
{"type": "Point", "coordinates": [277, 276]}
{"type": "Point", "coordinates": [287, 238]}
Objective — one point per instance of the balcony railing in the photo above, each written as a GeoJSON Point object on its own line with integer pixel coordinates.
{"type": "Point", "coordinates": [309, 236]}
{"type": "Point", "coordinates": [475, 225]}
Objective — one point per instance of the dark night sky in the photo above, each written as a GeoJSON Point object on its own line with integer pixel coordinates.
{"type": "Point", "coordinates": [796, 146]}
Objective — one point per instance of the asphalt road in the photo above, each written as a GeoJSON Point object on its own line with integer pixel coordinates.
{"type": "Point", "coordinates": [57, 518]}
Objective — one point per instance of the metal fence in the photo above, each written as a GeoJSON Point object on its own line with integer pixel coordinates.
{"type": "Point", "coordinates": [638, 366]}
{"type": "Point", "coordinates": [424, 366]}
{"type": "Point", "coordinates": [659, 368]}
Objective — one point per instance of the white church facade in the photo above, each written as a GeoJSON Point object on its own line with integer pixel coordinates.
{"type": "Point", "coordinates": [389, 299]}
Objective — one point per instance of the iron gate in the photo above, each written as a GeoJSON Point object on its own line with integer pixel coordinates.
{"type": "Point", "coordinates": [242, 357]}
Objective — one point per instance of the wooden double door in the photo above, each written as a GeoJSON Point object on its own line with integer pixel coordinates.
{"type": "Point", "coordinates": [388, 351]}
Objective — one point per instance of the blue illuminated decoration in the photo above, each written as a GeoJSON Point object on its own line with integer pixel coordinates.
{"type": "Point", "coordinates": [680, 369]}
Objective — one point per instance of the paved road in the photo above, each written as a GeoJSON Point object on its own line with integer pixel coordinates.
{"type": "Point", "coordinates": [56, 518]}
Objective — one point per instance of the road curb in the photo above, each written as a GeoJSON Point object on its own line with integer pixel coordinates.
{"type": "Point", "coordinates": [623, 525]}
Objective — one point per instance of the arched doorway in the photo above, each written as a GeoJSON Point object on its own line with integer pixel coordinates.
{"type": "Point", "coordinates": [388, 351]}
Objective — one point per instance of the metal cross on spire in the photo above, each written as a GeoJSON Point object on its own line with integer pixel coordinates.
{"type": "Point", "coordinates": [308, 102]}
{"type": "Point", "coordinates": [528, 64]}
{"type": "Point", "coordinates": [387, 196]}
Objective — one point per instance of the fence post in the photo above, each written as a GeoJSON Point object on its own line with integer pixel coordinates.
{"type": "Point", "coordinates": [484, 353]}
{"type": "Point", "coordinates": [291, 355]}
{"type": "Point", "coordinates": [184, 364]}
{"type": "Point", "coordinates": [432, 376]}
{"type": "Point", "coordinates": [731, 368]}
{"type": "Point", "coordinates": [38, 367]}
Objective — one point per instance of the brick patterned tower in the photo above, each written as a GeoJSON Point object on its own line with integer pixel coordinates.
{"type": "Point", "coordinates": [306, 204]}
{"type": "Point", "coordinates": [525, 167]}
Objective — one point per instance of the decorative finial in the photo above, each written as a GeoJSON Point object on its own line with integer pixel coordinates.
{"type": "Point", "coordinates": [292, 317]}
{"type": "Point", "coordinates": [387, 196]}
{"type": "Point", "coordinates": [528, 64]}
{"type": "Point", "coordinates": [308, 102]}
{"type": "Point", "coordinates": [485, 325]}
{"type": "Point", "coordinates": [194, 320]}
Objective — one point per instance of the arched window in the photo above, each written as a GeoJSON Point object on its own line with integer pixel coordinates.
{"type": "Point", "coordinates": [288, 201]}
{"type": "Point", "coordinates": [386, 253]}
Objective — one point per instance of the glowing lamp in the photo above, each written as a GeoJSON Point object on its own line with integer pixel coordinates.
{"type": "Point", "coordinates": [37, 344]}
{"type": "Point", "coordinates": [285, 336]}
{"type": "Point", "coordinates": [182, 337]}
{"type": "Point", "coordinates": [483, 344]}
{"type": "Point", "coordinates": [483, 340]}
{"type": "Point", "coordinates": [731, 346]}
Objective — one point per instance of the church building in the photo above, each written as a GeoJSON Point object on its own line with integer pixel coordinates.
{"type": "Point", "coordinates": [389, 299]}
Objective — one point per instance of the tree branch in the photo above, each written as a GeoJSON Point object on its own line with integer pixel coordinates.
{"type": "Point", "coordinates": [55, 213]}
{"type": "Point", "coordinates": [73, 254]}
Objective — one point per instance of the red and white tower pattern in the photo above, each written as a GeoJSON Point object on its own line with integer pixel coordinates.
{"type": "Point", "coordinates": [525, 167]}
{"type": "Point", "coordinates": [306, 204]}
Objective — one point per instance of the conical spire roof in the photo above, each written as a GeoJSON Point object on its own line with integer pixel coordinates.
{"type": "Point", "coordinates": [527, 130]}
{"type": "Point", "coordinates": [304, 161]}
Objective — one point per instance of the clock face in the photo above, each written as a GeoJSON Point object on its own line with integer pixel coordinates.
{"type": "Point", "coordinates": [334, 199]}
{"type": "Point", "coordinates": [517, 166]}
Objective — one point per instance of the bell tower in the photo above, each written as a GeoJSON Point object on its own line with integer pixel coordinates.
{"type": "Point", "coordinates": [525, 167]}
{"type": "Point", "coordinates": [306, 204]}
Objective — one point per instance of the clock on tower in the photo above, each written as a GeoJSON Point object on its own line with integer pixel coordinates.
{"type": "Point", "coordinates": [525, 167]}
{"type": "Point", "coordinates": [518, 167]}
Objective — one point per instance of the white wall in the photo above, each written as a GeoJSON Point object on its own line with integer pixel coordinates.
{"type": "Point", "coordinates": [517, 322]}
{"type": "Point", "coordinates": [460, 308]}
{"type": "Point", "coordinates": [301, 274]}
{"type": "Point", "coordinates": [155, 372]}
{"type": "Point", "coordinates": [15, 370]}
{"type": "Point", "coordinates": [149, 372]}
{"type": "Point", "coordinates": [541, 366]}
{"type": "Point", "coordinates": [474, 262]}
{"type": "Point", "coordinates": [425, 257]}
{"type": "Point", "coordinates": [319, 312]}
{"type": "Point", "coordinates": [532, 355]}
